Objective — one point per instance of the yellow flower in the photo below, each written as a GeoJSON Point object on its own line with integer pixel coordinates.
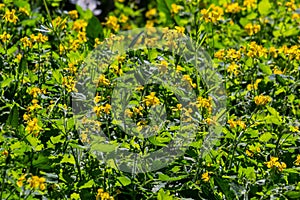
{"type": "Point", "coordinates": [262, 100]}
{"type": "Point", "coordinates": [149, 24]}
{"type": "Point", "coordinates": [103, 80]}
{"type": "Point", "coordinates": [4, 37]}
{"type": "Point", "coordinates": [26, 42]}
{"type": "Point", "coordinates": [205, 177]}
{"type": "Point", "coordinates": [232, 54]}
{"type": "Point", "coordinates": [106, 108]}
{"type": "Point", "coordinates": [35, 91]}
{"type": "Point", "coordinates": [40, 38]}
{"type": "Point", "coordinates": [252, 29]}
{"type": "Point", "coordinates": [58, 22]}
{"type": "Point", "coordinates": [5, 153]}
{"type": "Point", "coordinates": [128, 113]}
{"type": "Point", "coordinates": [69, 83]}
{"type": "Point", "coordinates": [2, 5]}
{"type": "Point", "coordinates": [151, 13]}
{"type": "Point", "coordinates": [123, 18]}
{"type": "Point", "coordinates": [101, 195]}
{"type": "Point", "coordinates": [74, 44]}
{"type": "Point", "coordinates": [297, 161]}
{"type": "Point", "coordinates": [97, 42]}
{"type": "Point", "coordinates": [220, 54]}
{"type": "Point", "coordinates": [213, 14]}
{"type": "Point", "coordinates": [204, 103]}
{"type": "Point", "coordinates": [255, 85]}
{"type": "Point", "coordinates": [249, 153]}
{"type": "Point", "coordinates": [274, 163]}
{"type": "Point", "coordinates": [233, 68]}
{"type": "Point", "coordinates": [151, 100]}
{"type": "Point", "coordinates": [180, 29]}
{"type": "Point", "coordinates": [82, 36]}
{"type": "Point", "coordinates": [233, 8]}
{"type": "Point", "coordinates": [24, 10]}
{"type": "Point", "coordinates": [277, 71]}
{"type": "Point", "coordinates": [250, 3]}
{"type": "Point", "coordinates": [163, 66]}
{"type": "Point", "coordinates": [73, 14]}
{"type": "Point", "coordinates": [21, 180]}
{"type": "Point", "coordinates": [291, 5]}
{"type": "Point", "coordinates": [256, 50]}
{"type": "Point", "coordinates": [33, 127]}
{"type": "Point", "coordinates": [175, 8]}
{"type": "Point", "coordinates": [10, 16]}
{"type": "Point", "coordinates": [189, 80]}
{"type": "Point", "coordinates": [112, 23]}
{"type": "Point", "coordinates": [37, 182]}
{"type": "Point", "coordinates": [79, 25]}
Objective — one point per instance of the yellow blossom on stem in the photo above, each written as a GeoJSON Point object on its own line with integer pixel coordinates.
{"type": "Point", "coordinates": [175, 8]}
{"type": "Point", "coordinates": [21, 180]}
{"type": "Point", "coordinates": [233, 68]}
{"type": "Point", "coordinates": [24, 11]}
{"type": "Point", "coordinates": [112, 23]}
{"type": "Point", "coordinates": [10, 16]}
{"type": "Point", "coordinates": [5, 37]}
{"type": "Point", "coordinates": [252, 29]}
{"type": "Point", "coordinates": [189, 80]}
{"type": "Point", "coordinates": [123, 18]}
{"type": "Point", "coordinates": [151, 13]}
{"type": "Point", "coordinates": [297, 161]}
{"type": "Point", "coordinates": [33, 127]}
{"type": "Point", "coordinates": [59, 23]}
{"type": "Point", "coordinates": [103, 81]}
{"type": "Point", "coordinates": [273, 163]}
{"type": "Point", "coordinates": [73, 14]}
{"type": "Point", "coordinates": [250, 3]}
{"type": "Point", "coordinates": [36, 182]}
{"type": "Point", "coordinates": [79, 25]}
{"type": "Point", "coordinates": [26, 42]}
{"type": "Point", "coordinates": [232, 8]}
{"type": "Point", "coordinates": [262, 100]}
{"type": "Point", "coordinates": [205, 177]}
{"type": "Point", "coordinates": [151, 100]}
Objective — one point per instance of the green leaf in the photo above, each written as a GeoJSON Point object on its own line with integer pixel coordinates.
{"type": "Point", "coordinates": [265, 69]}
{"type": "Point", "coordinates": [250, 173]}
{"type": "Point", "coordinates": [33, 140]}
{"type": "Point", "coordinates": [56, 139]}
{"type": "Point", "coordinates": [88, 184]}
{"type": "Point", "coordinates": [22, 4]}
{"type": "Point", "coordinates": [13, 118]}
{"type": "Point", "coordinates": [164, 195]}
{"type": "Point", "coordinates": [57, 76]}
{"type": "Point", "coordinates": [87, 15]}
{"type": "Point", "coordinates": [293, 194]}
{"type": "Point", "coordinates": [164, 177]}
{"type": "Point", "coordinates": [68, 159]}
{"type": "Point", "coordinates": [264, 7]}
{"type": "Point", "coordinates": [41, 162]}
{"type": "Point", "coordinates": [94, 29]}
{"type": "Point", "coordinates": [275, 117]}
{"type": "Point", "coordinates": [95, 146]}
{"type": "Point", "coordinates": [6, 82]}
{"type": "Point", "coordinates": [291, 31]}
{"type": "Point", "coordinates": [164, 6]}
{"type": "Point", "coordinates": [265, 137]}
{"type": "Point", "coordinates": [124, 180]}
{"type": "Point", "coordinates": [244, 21]}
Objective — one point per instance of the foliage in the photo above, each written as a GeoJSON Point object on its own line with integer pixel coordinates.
{"type": "Point", "coordinates": [254, 45]}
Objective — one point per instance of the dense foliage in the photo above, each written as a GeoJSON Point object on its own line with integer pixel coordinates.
{"type": "Point", "coordinates": [254, 45]}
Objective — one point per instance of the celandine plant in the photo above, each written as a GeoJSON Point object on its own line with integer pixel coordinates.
{"type": "Point", "coordinates": [46, 153]}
